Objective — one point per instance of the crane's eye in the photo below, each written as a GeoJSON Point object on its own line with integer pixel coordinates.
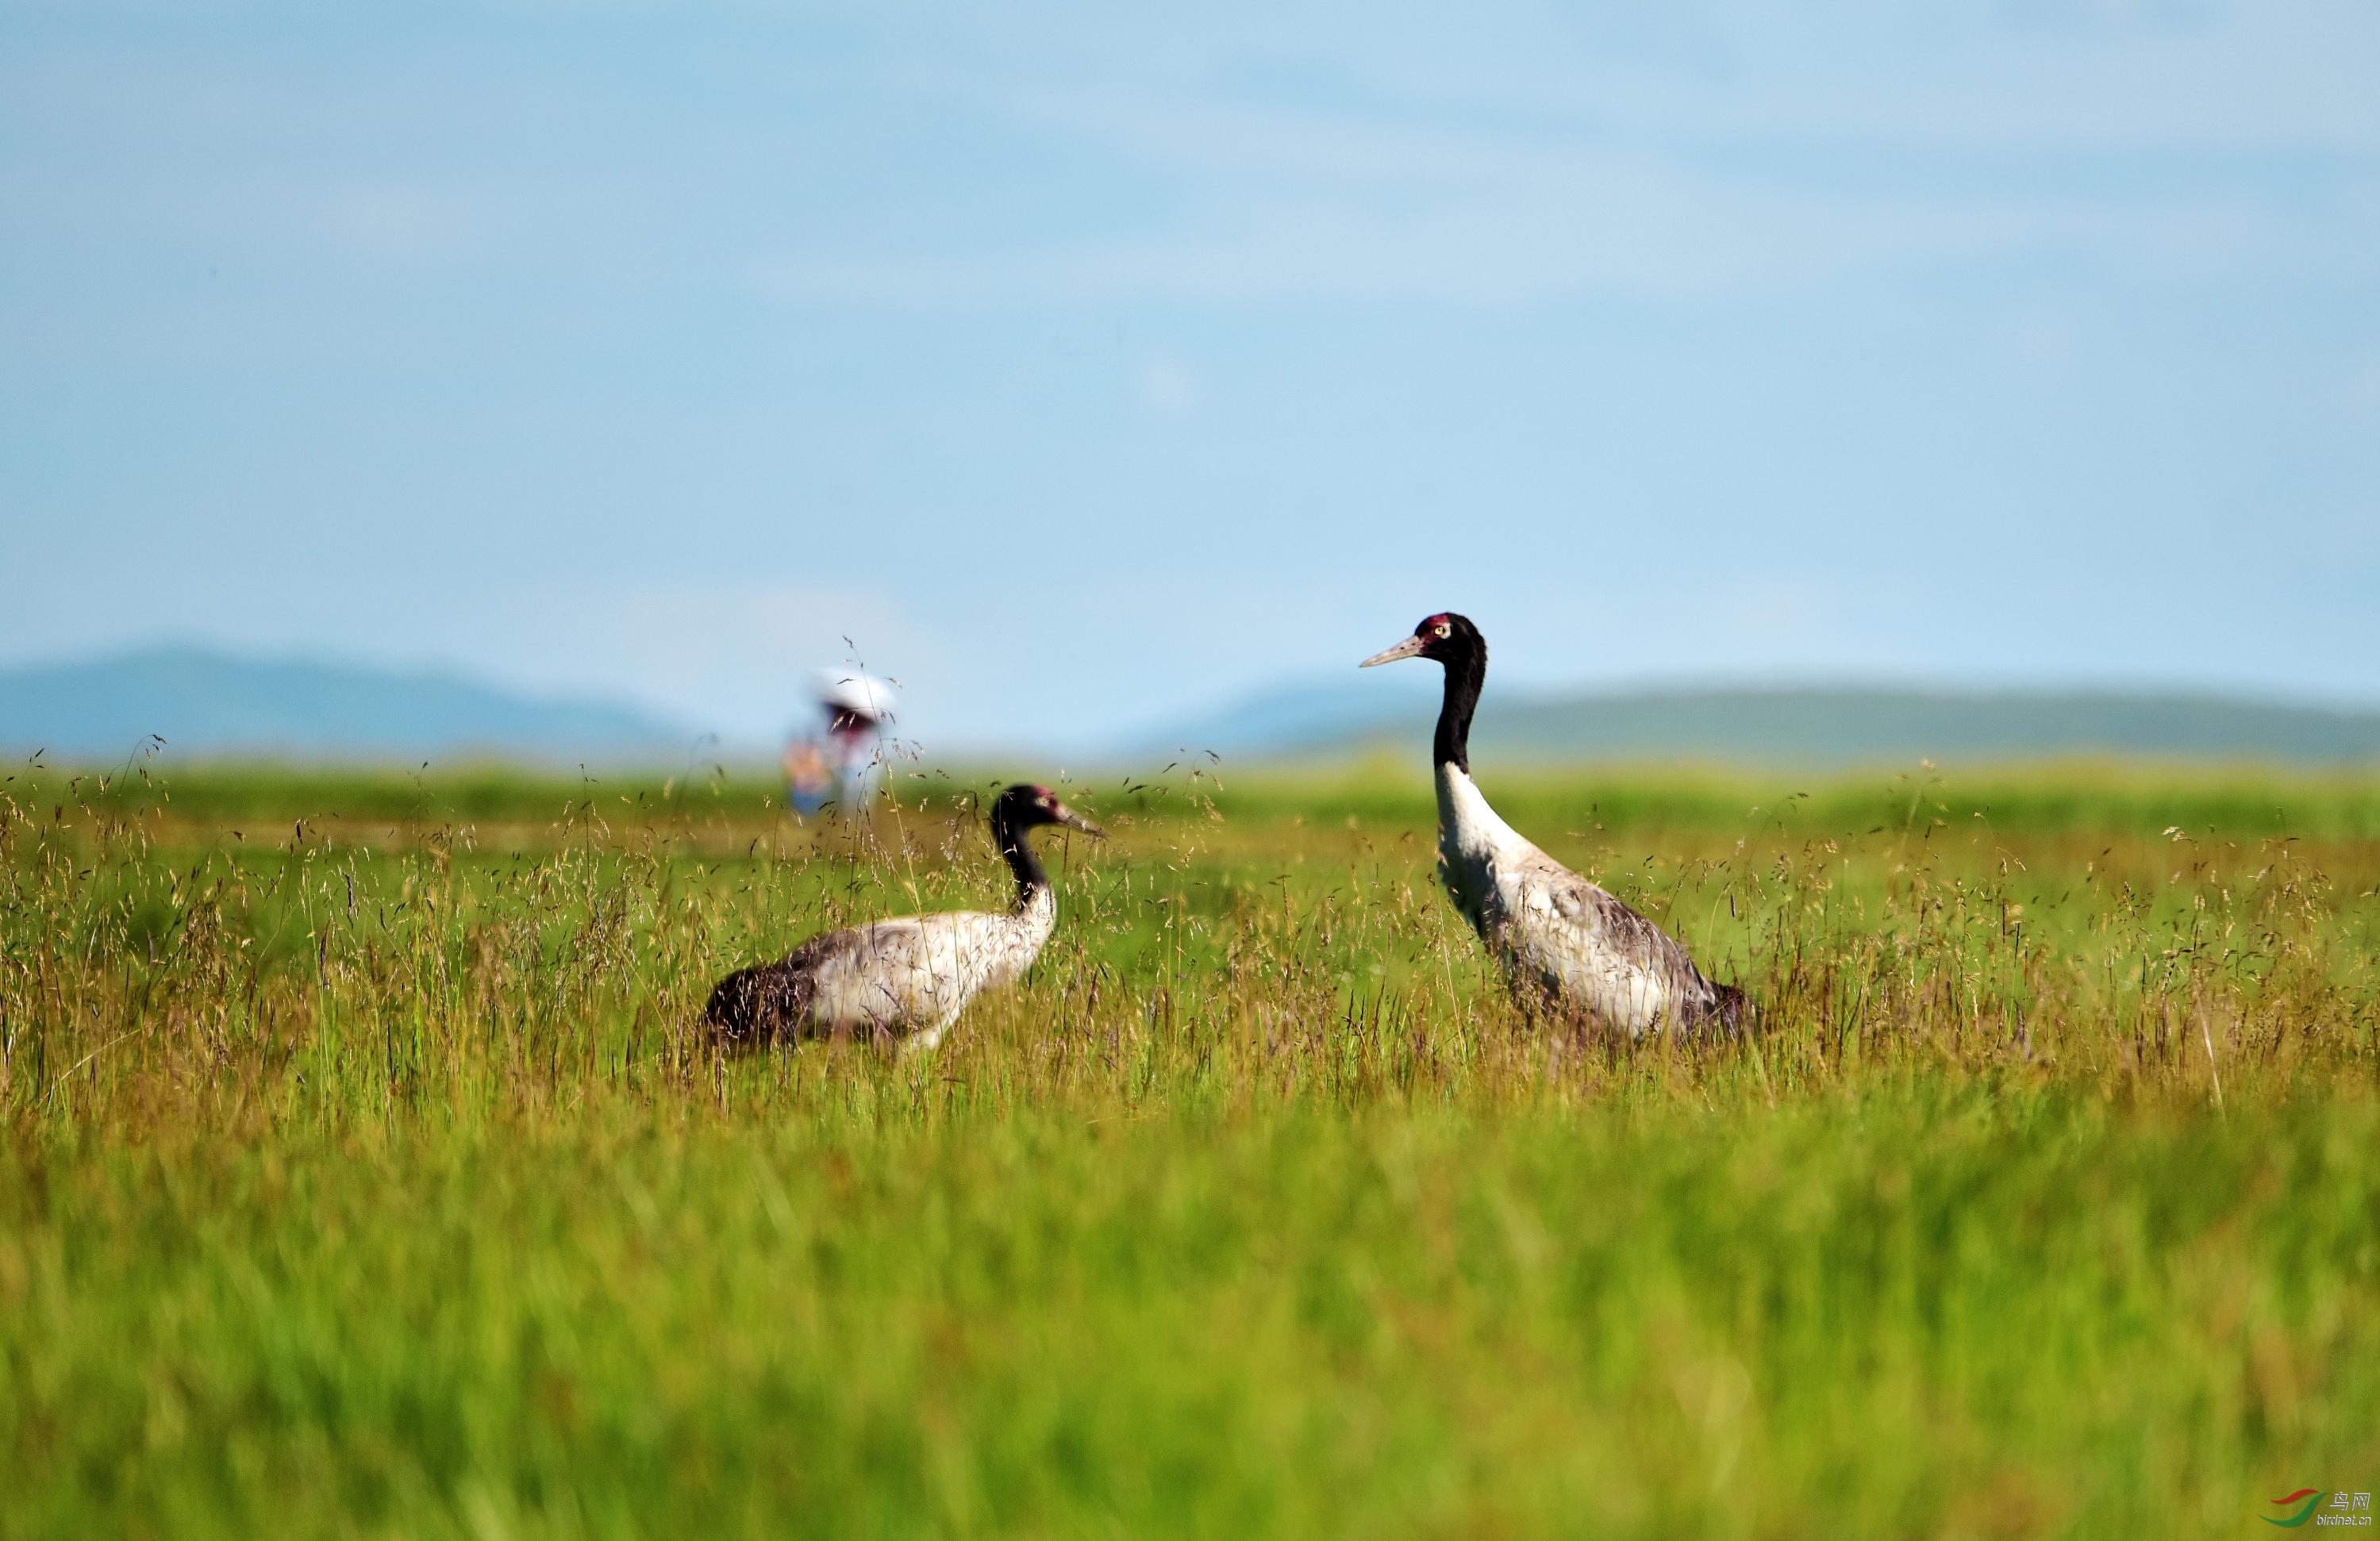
{"type": "Point", "coordinates": [1443, 629]}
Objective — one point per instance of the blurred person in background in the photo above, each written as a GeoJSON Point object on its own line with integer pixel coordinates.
{"type": "Point", "coordinates": [843, 763]}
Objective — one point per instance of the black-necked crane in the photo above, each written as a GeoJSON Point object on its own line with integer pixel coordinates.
{"type": "Point", "coordinates": [905, 979]}
{"type": "Point", "coordinates": [1556, 935]}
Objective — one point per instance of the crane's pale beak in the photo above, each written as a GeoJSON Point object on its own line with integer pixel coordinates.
{"type": "Point", "coordinates": [1073, 821]}
{"type": "Point", "coordinates": [1409, 647]}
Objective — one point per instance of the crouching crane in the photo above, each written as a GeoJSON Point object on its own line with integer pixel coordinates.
{"type": "Point", "coordinates": [905, 980]}
{"type": "Point", "coordinates": [1561, 940]}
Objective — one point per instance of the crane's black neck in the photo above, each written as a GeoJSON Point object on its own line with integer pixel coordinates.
{"type": "Point", "coordinates": [1010, 838]}
{"type": "Point", "coordinates": [1466, 671]}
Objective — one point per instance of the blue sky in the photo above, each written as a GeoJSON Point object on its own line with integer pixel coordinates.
{"type": "Point", "coordinates": [1085, 368]}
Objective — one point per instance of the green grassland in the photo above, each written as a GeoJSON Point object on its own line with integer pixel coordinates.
{"type": "Point", "coordinates": [363, 1171]}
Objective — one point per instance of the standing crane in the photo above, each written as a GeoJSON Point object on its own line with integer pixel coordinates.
{"type": "Point", "coordinates": [905, 979]}
{"type": "Point", "coordinates": [1559, 937]}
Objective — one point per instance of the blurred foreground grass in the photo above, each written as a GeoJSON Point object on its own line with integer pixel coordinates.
{"type": "Point", "coordinates": [363, 1173]}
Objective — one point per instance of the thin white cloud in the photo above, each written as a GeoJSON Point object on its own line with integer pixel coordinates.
{"type": "Point", "coordinates": [2245, 74]}
{"type": "Point", "coordinates": [1309, 205]}
{"type": "Point", "coordinates": [396, 224]}
{"type": "Point", "coordinates": [1523, 153]}
{"type": "Point", "coordinates": [1166, 388]}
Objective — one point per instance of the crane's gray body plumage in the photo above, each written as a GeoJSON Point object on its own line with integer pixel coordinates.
{"type": "Point", "coordinates": [1561, 940]}
{"type": "Point", "coordinates": [902, 980]}
{"type": "Point", "coordinates": [905, 979]}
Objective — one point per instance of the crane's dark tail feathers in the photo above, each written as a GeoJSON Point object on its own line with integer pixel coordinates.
{"type": "Point", "coordinates": [758, 1005]}
{"type": "Point", "coordinates": [730, 1013]}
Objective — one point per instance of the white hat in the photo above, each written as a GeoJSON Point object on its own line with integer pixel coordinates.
{"type": "Point", "coordinates": [848, 690]}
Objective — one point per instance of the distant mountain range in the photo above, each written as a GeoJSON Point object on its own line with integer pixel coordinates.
{"type": "Point", "coordinates": [1788, 725]}
{"type": "Point", "coordinates": [215, 705]}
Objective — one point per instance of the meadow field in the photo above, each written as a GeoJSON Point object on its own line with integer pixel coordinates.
{"type": "Point", "coordinates": [363, 1171]}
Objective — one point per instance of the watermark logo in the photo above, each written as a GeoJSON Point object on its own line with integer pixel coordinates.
{"type": "Point", "coordinates": [2341, 1508]}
